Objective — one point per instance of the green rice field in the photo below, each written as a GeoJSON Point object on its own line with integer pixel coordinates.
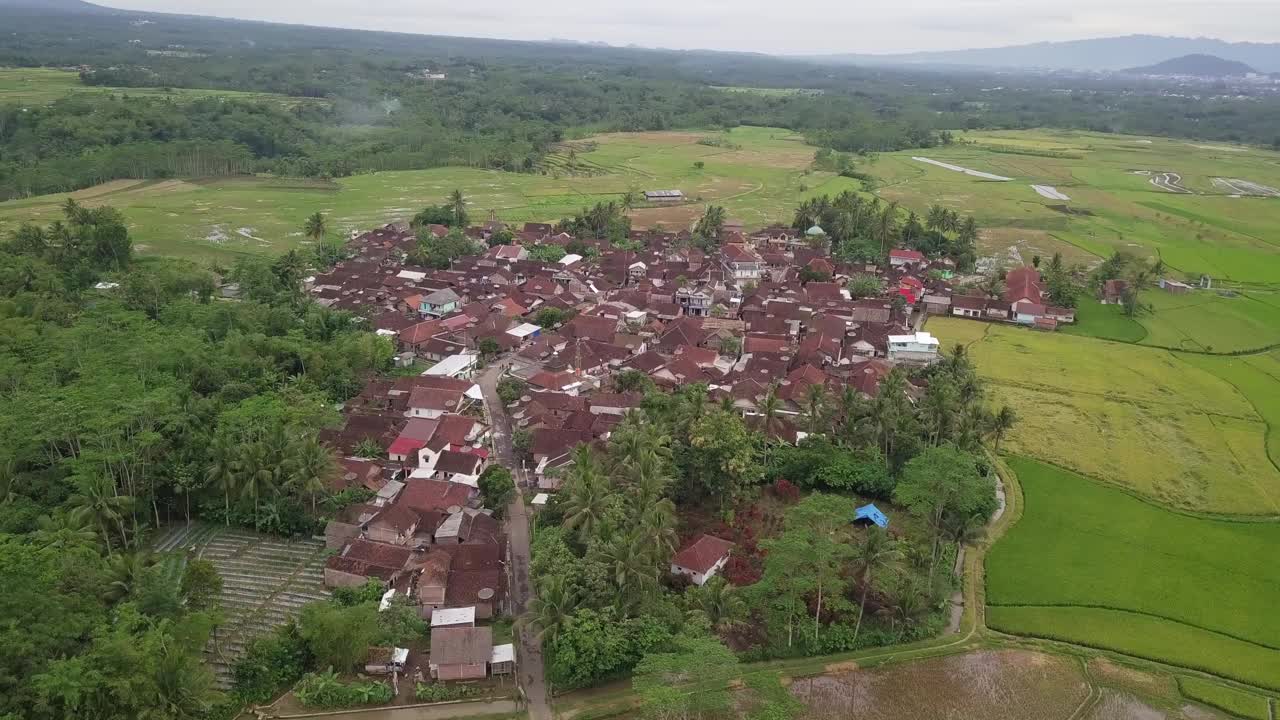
{"type": "Point", "coordinates": [1201, 321]}
{"type": "Point", "coordinates": [1198, 228]}
{"type": "Point", "coordinates": [1237, 702]}
{"type": "Point", "coordinates": [1093, 565]}
{"type": "Point", "coordinates": [759, 180]}
{"type": "Point", "coordinates": [40, 86]}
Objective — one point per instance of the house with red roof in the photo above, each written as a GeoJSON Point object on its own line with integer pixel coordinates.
{"type": "Point", "coordinates": [702, 559]}
{"type": "Point", "coordinates": [898, 258]}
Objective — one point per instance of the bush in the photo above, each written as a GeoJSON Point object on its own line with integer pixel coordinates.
{"type": "Point", "coordinates": [325, 690]}
{"type": "Point", "coordinates": [510, 389]}
{"type": "Point", "coordinates": [270, 664]}
{"type": "Point", "coordinates": [441, 692]}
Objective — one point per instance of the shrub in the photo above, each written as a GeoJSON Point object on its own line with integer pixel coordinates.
{"type": "Point", "coordinates": [510, 389]}
{"type": "Point", "coordinates": [325, 690]}
{"type": "Point", "coordinates": [441, 692]}
{"type": "Point", "coordinates": [270, 664]}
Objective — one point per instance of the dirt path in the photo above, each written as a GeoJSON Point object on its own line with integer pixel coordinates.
{"type": "Point", "coordinates": [421, 712]}
{"type": "Point", "coordinates": [529, 658]}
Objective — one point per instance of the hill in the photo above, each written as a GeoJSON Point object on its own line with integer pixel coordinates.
{"type": "Point", "coordinates": [1207, 66]}
{"type": "Point", "coordinates": [1113, 53]}
{"type": "Point", "coordinates": [72, 6]}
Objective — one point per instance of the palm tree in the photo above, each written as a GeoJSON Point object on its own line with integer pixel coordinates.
{"type": "Point", "coordinates": [124, 573]}
{"type": "Point", "coordinates": [628, 201]}
{"type": "Point", "coordinates": [587, 496]}
{"type": "Point", "coordinates": [8, 481]}
{"type": "Point", "coordinates": [184, 685]}
{"type": "Point", "coordinates": [630, 568]}
{"type": "Point", "coordinates": [223, 471]}
{"type": "Point", "coordinates": [97, 503]}
{"type": "Point", "coordinates": [316, 227]}
{"type": "Point", "coordinates": [1002, 422]}
{"type": "Point", "coordinates": [310, 466]}
{"type": "Point", "coordinates": [254, 468]}
{"type": "Point", "coordinates": [551, 607]}
{"type": "Point", "coordinates": [458, 204]}
{"type": "Point", "coordinates": [876, 552]}
{"type": "Point", "coordinates": [658, 527]}
{"type": "Point", "coordinates": [816, 406]}
{"type": "Point", "coordinates": [720, 602]}
{"type": "Point", "coordinates": [768, 409]}
{"type": "Point", "coordinates": [936, 218]}
{"type": "Point", "coordinates": [886, 225]}
{"type": "Point", "coordinates": [61, 531]}
{"type": "Point", "coordinates": [906, 600]}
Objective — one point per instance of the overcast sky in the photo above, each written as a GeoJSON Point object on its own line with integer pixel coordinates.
{"type": "Point", "coordinates": [789, 26]}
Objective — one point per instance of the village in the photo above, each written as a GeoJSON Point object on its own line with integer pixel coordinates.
{"type": "Point", "coordinates": [527, 360]}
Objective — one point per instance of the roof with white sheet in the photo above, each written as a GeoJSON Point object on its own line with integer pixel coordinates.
{"type": "Point", "coordinates": [447, 617]}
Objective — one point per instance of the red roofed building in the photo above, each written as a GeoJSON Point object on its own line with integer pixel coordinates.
{"type": "Point", "coordinates": [1023, 287]}
{"type": "Point", "coordinates": [701, 560]}
{"type": "Point", "coordinates": [428, 495]}
{"type": "Point", "coordinates": [898, 258]}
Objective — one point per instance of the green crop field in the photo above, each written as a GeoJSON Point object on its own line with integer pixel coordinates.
{"type": "Point", "coordinates": [1111, 207]}
{"type": "Point", "coordinates": [40, 86]}
{"type": "Point", "coordinates": [760, 177]}
{"type": "Point", "coordinates": [1237, 702]}
{"type": "Point", "coordinates": [1160, 423]}
{"type": "Point", "coordinates": [1200, 321]}
{"type": "Point", "coordinates": [1093, 565]}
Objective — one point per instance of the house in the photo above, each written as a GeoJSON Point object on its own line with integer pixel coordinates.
{"type": "Point", "coordinates": [870, 515]}
{"type": "Point", "coordinates": [920, 347]}
{"type": "Point", "coordinates": [740, 263]}
{"type": "Point", "coordinates": [386, 660]}
{"type": "Point", "coordinates": [431, 403]}
{"type": "Point", "coordinates": [664, 197]}
{"type": "Point", "coordinates": [701, 560]}
{"type": "Point", "coordinates": [1174, 287]}
{"type": "Point", "coordinates": [1022, 286]}
{"type": "Point", "coordinates": [454, 366]}
{"type": "Point", "coordinates": [968, 306]}
{"type": "Point", "coordinates": [937, 304]}
{"type": "Point", "coordinates": [460, 653]}
{"type": "Point", "coordinates": [363, 560]}
{"type": "Point", "coordinates": [1113, 292]}
{"type": "Point", "coordinates": [1028, 313]}
{"type": "Point", "coordinates": [898, 258]}
{"type": "Point", "coordinates": [459, 467]}
{"type": "Point", "coordinates": [695, 301]}
{"type": "Point", "coordinates": [453, 617]}
{"type": "Point", "coordinates": [395, 525]}
{"type": "Point", "coordinates": [503, 659]}
{"type": "Point", "coordinates": [440, 303]}
{"type": "Point", "coordinates": [1060, 314]}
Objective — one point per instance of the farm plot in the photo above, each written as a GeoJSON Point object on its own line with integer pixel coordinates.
{"type": "Point", "coordinates": [1169, 182]}
{"type": "Point", "coordinates": [265, 583]}
{"type": "Point", "coordinates": [982, 685]}
{"type": "Point", "coordinates": [965, 170]}
{"type": "Point", "coordinates": [1139, 417]}
{"type": "Point", "coordinates": [1050, 192]}
{"type": "Point", "coordinates": [1092, 565]}
{"type": "Point", "coordinates": [1237, 702]}
{"type": "Point", "coordinates": [1236, 186]}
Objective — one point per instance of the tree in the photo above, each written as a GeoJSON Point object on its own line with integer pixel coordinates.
{"type": "Point", "coordinates": [97, 503]}
{"type": "Point", "coordinates": [458, 205]}
{"type": "Point", "coordinates": [862, 286]}
{"type": "Point", "coordinates": [731, 347]}
{"type": "Point", "coordinates": [711, 224]}
{"type": "Point", "coordinates": [944, 481]}
{"type": "Point", "coordinates": [399, 624]}
{"type": "Point", "coordinates": [551, 607]}
{"type": "Point", "coordinates": [310, 467]}
{"type": "Point", "coordinates": [201, 585]}
{"type": "Point", "coordinates": [549, 317]}
{"type": "Point", "coordinates": [876, 552]}
{"type": "Point", "coordinates": [339, 637]}
{"type": "Point", "coordinates": [721, 458]}
{"type": "Point", "coordinates": [223, 470]}
{"type": "Point", "coordinates": [815, 400]}
{"type": "Point", "coordinates": [489, 348]}
{"type": "Point", "coordinates": [587, 495]}
{"type": "Point", "coordinates": [497, 489]}
{"type": "Point", "coordinates": [1002, 422]}
{"type": "Point", "coordinates": [316, 227]}
{"type": "Point", "coordinates": [719, 602]}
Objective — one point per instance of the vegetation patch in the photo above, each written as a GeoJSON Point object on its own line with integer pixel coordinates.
{"type": "Point", "coordinates": [1237, 702]}
{"type": "Point", "coordinates": [1093, 565]}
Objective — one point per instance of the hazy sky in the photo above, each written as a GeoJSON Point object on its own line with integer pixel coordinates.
{"type": "Point", "coordinates": [788, 26]}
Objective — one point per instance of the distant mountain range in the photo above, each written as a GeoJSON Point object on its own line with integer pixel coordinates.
{"type": "Point", "coordinates": [57, 5]}
{"type": "Point", "coordinates": [1114, 53]}
{"type": "Point", "coordinates": [1205, 66]}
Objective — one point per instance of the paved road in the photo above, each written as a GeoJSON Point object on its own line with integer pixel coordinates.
{"type": "Point", "coordinates": [529, 658]}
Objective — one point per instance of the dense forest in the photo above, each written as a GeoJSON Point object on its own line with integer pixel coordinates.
{"type": "Point", "coordinates": [489, 103]}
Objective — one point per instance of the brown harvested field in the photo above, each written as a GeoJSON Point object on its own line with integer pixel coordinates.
{"type": "Point", "coordinates": [1106, 672]}
{"type": "Point", "coordinates": [678, 217]}
{"type": "Point", "coordinates": [982, 685]}
{"type": "Point", "coordinates": [1002, 243]}
{"type": "Point", "coordinates": [1117, 705]}
{"type": "Point", "coordinates": [105, 188]}
{"type": "Point", "coordinates": [653, 137]}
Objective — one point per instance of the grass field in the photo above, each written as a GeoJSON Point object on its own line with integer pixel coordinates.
{"type": "Point", "coordinates": [759, 181]}
{"type": "Point", "coordinates": [1093, 565]}
{"type": "Point", "coordinates": [1160, 423]}
{"type": "Point", "coordinates": [1237, 702]}
{"type": "Point", "coordinates": [1111, 206]}
{"type": "Point", "coordinates": [1200, 321]}
{"type": "Point", "coordinates": [40, 86]}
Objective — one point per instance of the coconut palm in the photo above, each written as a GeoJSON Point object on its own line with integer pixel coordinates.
{"type": "Point", "coordinates": [815, 398]}
{"type": "Point", "coordinates": [876, 552]}
{"type": "Point", "coordinates": [906, 600]}
{"type": "Point", "coordinates": [8, 481]}
{"type": "Point", "coordinates": [630, 567]}
{"type": "Point", "coordinates": [720, 602]}
{"type": "Point", "coordinates": [98, 504]}
{"type": "Point", "coordinates": [223, 471]}
{"type": "Point", "coordinates": [124, 573]}
{"type": "Point", "coordinates": [310, 466]}
{"type": "Point", "coordinates": [658, 527]}
{"type": "Point", "coordinates": [550, 608]}
{"type": "Point", "coordinates": [257, 476]}
{"type": "Point", "coordinates": [1002, 422]}
{"type": "Point", "coordinates": [316, 226]}
{"type": "Point", "coordinates": [61, 531]}
{"type": "Point", "coordinates": [587, 494]}
{"type": "Point", "coordinates": [458, 204]}
{"type": "Point", "coordinates": [768, 409]}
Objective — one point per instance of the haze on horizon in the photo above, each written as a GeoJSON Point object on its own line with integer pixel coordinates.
{"type": "Point", "coordinates": [796, 27]}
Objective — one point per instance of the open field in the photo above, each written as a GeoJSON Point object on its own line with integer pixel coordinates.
{"type": "Point", "coordinates": [759, 180]}
{"type": "Point", "coordinates": [40, 86]}
{"type": "Point", "coordinates": [1157, 422]}
{"type": "Point", "coordinates": [1237, 702]}
{"type": "Point", "coordinates": [265, 582]}
{"type": "Point", "coordinates": [1112, 206]}
{"type": "Point", "coordinates": [1092, 565]}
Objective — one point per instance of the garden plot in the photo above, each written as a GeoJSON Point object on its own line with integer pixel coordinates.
{"type": "Point", "coordinates": [1170, 182]}
{"type": "Point", "coordinates": [265, 583]}
{"type": "Point", "coordinates": [965, 170]}
{"type": "Point", "coordinates": [1048, 191]}
{"type": "Point", "coordinates": [1236, 186]}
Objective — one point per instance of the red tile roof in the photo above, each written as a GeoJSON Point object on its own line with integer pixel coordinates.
{"type": "Point", "coordinates": [703, 554]}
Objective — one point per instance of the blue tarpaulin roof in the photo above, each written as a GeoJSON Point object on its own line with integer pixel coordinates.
{"type": "Point", "coordinates": [871, 513]}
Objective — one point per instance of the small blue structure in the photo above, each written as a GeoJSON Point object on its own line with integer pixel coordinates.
{"type": "Point", "coordinates": [869, 514]}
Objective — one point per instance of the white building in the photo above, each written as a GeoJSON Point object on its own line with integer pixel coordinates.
{"type": "Point", "coordinates": [702, 560]}
{"type": "Point", "coordinates": [920, 347]}
{"type": "Point", "coordinates": [453, 617]}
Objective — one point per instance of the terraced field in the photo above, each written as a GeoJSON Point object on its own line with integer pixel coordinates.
{"type": "Point", "coordinates": [265, 582]}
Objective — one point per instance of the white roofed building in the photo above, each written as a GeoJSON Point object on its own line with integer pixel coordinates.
{"type": "Point", "coordinates": [918, 348]}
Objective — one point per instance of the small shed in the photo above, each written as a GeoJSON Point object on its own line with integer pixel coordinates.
{"type": "Point", "coordinates": [525, 331]}
{"type": "Point", "coordinates": [386, 660]}
{"type": "Point", "coordinates": [503, 660]}
{"type": "Point", "coordinates": [453, 617]}
{"type": "Point", "coordinates": [870, 515]}
{"type": "Point", "coordinates": [540, 501]}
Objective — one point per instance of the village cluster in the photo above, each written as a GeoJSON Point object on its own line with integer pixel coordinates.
{"type": "Point", "coordinates": [769, 311]}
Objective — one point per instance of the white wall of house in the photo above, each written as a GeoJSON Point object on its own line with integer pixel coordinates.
{"type": "Point", "coordinates": [698, 578]}
{"type": "Point", "coordinates": [427, 413]}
